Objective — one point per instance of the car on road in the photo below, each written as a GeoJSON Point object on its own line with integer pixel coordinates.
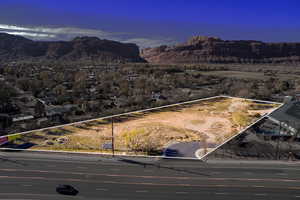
{"type": "Point", "coordinates": [66, 190]}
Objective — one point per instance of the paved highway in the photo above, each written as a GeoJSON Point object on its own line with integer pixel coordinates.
{"type": "Point", "coordinates": [32, 175]}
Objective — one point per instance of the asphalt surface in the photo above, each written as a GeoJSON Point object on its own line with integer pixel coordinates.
{"type": "Point", "coordinates": [185, 149]}
{"type": "Point", "coordinates": [30, 175]}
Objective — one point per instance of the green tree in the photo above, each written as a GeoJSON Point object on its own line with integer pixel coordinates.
{"type": "Point", "coordinates": [6, 93]}
{"type": "Point", "coordinates": [59, 90]}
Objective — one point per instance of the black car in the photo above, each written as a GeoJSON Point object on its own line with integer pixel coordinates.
{"type": "Point", "coordinates": [66, 190]}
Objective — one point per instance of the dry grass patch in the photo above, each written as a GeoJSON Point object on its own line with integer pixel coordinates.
{"type": "Point", "coordinates": [211, 120]}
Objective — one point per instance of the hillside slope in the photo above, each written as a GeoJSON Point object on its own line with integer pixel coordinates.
{"type": "Point", "coordinates": [14, 48]}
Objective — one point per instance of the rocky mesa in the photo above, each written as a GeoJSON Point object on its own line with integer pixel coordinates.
{"type": "Point", "coordinates": [14, 48]}
{"type": "Point", "coordinates": [202, 49]}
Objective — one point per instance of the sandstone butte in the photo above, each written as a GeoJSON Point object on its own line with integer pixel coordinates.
{"type": "Point", "coordinates": [201, 49]}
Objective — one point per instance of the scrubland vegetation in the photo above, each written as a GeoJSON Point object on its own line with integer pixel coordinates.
{"type": "Point", "coordinates": [210, 121]}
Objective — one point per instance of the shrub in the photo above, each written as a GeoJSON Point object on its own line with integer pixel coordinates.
{"type": "Point", "coordinates": [221, 106]}
{"type": "Point", "coordinates": [139, 140]}
{"type": "Point", "coordinates": [240, 118]}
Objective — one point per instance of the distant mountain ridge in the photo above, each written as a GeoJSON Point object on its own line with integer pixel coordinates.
{"type": "Point", "coordinates": [14, 48]}
{"type": "Point", "coordinates": [201, 49]}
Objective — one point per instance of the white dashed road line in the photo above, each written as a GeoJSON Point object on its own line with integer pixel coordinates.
{"type": "Point", "coordinates": [102, 189]}
{"type": "Point", "coordinates": [27, 185]}
{"type": "Point", "coordinates": [258, 186]}
{"type": "Point", "coordinates": [281, 174]}
{"type": "Point", "coordinates": [260, 194]}
{"type": "Point", "coordinates": [221, 193]}
{"type": "Point", "coordinates": [82, 167]}
{"type": "Point", "coordinates": [141, 191]}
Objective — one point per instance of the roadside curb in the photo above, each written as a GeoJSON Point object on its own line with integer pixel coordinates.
{"type": "Point", "coordinates": [93, 153]}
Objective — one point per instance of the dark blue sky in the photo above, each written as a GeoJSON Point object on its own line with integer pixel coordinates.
{"type": "Point", "coordinates": [267, 20]}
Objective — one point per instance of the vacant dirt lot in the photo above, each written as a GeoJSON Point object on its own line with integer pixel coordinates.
{"type": "Point", "coordinates": [211, 121]}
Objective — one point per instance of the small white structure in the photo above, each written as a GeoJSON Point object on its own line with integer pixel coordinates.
{"type": "Point", "coordinates": [22, 118]}
{"type": "Point", "coordinates": [287, 99]}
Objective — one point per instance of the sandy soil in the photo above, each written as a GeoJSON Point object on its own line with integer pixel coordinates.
{"type": "Point", "coordinates": [209, 121]}
{"type": "Point", "coordinates": [194, 121]}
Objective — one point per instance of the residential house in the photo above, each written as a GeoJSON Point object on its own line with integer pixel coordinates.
{"type": "Point", "coordinates": [288, 117]}
{"type": "Point", "coordinates": [157, 96]}
{"type": "Point", "coordinates": [23, 121]}
{"type": "Point", "coordinates": [60, 113]}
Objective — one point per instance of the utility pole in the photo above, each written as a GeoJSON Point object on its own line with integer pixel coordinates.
{"type": "Point", "coordinates": [277, 147]}
{"type": "Point", "coordinates": [112, 137]}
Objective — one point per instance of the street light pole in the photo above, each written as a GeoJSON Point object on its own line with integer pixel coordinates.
{"type": "Point", "coordinates": [112, 137]}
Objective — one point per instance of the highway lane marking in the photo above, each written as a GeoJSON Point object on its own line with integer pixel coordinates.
{"type": "Point", "coordinates": [221, 193]}
{"type": "Point", "coordinates": [155, 177]}
{"type": "Point", "coordinates": [79, 167]}
{"type": "Point", "coordinates": [297, 196]}
{"type": "Point", "coordinates": [141, 191]}
{"type": "Point", "coordinates": [27, 185]}
{"type": "Point", "coordinates": [101, 189]}
{"type": "Point", "coordinates": [258, 186]}
{"type": "Point", "coordinates": [260, 194]}
{"type": "Point", "coordinates": [282, 174]}
{"type": "Point", "coordinates": [141, 183]}
{"type": "Point", "coordinates": [29, 194]}
{"type": "Point", "coordinates": [181, 192]}
{"type": "Point", "coordinates": [255, 168]}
